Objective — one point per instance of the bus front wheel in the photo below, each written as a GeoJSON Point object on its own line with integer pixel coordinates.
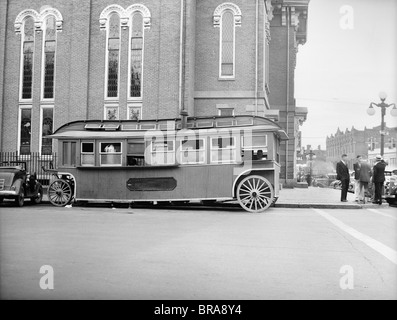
{"type": "Point", "coordinates": [255, 194]}
{"type": "Point", "coordinates": [60, 193]}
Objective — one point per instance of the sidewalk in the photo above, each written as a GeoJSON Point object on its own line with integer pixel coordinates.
{"type": "Point", "coordinates": [312, 197]}
{"type": "Point", "coordinates": [315, 197]}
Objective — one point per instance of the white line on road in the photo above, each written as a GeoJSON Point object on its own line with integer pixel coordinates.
{"type": "Point", "coordinates": [382, 213]}
{"type": "Point", "coordinates": [384, 250]}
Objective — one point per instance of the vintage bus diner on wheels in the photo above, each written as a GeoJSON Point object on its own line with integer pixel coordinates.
{"type": "Point", "coordinates": [178, 160]}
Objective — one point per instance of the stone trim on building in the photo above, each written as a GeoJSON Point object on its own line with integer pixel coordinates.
{"type": "Point", "coordinates": [125, 15]}
{"type": "Point", "coordinates": [38, 18]}
{"type": "Point", "coordinates": [227, 6]}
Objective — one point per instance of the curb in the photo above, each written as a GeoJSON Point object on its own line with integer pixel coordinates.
{"type": "Point", "coordinates": [235, 205]}
{"type": "Point", "coordinates": [318, 205]}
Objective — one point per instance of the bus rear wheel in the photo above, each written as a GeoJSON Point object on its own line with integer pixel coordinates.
{"type": "Point", "coordinates": [255, 194]}
{"type": "Point", "coordinates": [60, 193]}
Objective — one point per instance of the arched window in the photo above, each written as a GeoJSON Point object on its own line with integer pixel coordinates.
{"type": "Point", "coordinates": [227, 16]}
{"type": "Point", "coordinates": [26, 85]}
{"type": "Point", "coordinates": [136, 56]}
{"type": "Point", "coordinates": [136, 18]}
{"type": "Point", "coordinates": [27, 58]}
{"type": "Point", "coordinates": [27, 23]}
{"type": "Point", "coordinates": [113, 56]}
{"type": "Point", "coordinates": [49, 47]}
{"type": "Point", "coordinates": [227, 45]}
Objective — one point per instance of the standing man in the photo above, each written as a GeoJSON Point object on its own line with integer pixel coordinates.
{"type": "Point", "coordinates": [342, 174]}
{"type": "Point", "coordinates": [357, 169]}
{"type": "Point", "coordinates": [378, 178]}
{"type": "Point", "coordinates": [365, 177]}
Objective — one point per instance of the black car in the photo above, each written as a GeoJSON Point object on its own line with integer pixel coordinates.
{"type": "Point", "coordinates": [16, 183]}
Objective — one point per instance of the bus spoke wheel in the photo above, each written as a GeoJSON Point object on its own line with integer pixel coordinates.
{"type": "Point", "coordinates": [255, 194]}
{"type": "Point", "coordinates": [60, 193]}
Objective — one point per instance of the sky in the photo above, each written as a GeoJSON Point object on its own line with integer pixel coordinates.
{"type": "Point", "coordinates": [349, 57]}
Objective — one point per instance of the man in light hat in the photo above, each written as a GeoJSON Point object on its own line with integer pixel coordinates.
{"type": "Point", "coordinates": [364, 179]}
{"type": "Point", "coordinates": [378, 178]}
{"type": "Point", "coordinates": [357, 169]}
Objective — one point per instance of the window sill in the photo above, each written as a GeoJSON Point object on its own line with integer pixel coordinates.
{"type": "Point", "coordinates": [27, 102]}
{"type": "Point", "coordinates": [47, 101]}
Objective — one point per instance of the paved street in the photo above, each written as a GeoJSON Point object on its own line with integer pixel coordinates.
{"type": "Point", "coordinates": [140, 253]}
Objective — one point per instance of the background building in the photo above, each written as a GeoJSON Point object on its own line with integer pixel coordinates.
{"type": "Point", "coordinates": [62, 61]}
{"type": "Point", "coordinates": [360, 142]}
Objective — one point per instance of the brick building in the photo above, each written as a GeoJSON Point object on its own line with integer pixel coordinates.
{"type": "Point", "coordinates": [116, 59]}
{"type": "Point", "coordinates": [389, 155]}
{"type": "Point", "coordinates": [360, 142]}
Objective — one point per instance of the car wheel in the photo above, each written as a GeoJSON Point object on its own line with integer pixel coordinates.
{"type": "Point", "coordinates": [37, 199]}
{"type": "Point", "coordinates": [1, 200]}
{"type": "Point", "coordinates": [19, 200]}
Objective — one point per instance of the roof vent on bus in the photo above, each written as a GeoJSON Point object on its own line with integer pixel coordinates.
{"type": "Point", "coordinates": [110, 126]}
{"type": "Point", "coordinates": [93, 126]}
{"type": "Point", "coordinates": [100, 126]}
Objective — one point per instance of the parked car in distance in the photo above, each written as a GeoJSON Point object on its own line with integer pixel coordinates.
{"type": "Point", "coordinates": [391, 187]}
{"type": "Point", "coordinates": [321, 180]}
{"type": "Point", "coordinates": [337, 184]}
{"type": "Point", "coordinates": [17, 184]}
{"type": "Point", "coordinates": [331, 177]}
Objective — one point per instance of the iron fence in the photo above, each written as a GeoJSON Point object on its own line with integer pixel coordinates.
{"type": "Point", "coordinates": [32, 163]}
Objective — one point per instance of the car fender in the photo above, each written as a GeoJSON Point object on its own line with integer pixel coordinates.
{"type": "Point", "coordinates": [18, 185]}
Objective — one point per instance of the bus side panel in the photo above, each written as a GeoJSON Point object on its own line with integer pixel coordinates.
{"type": "Point", "coordinates": [192, 182]}
{"type": "Point", "coordinates": [206, 182]}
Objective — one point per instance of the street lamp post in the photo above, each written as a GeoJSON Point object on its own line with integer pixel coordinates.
{"type": "Point", "coordinates": [310, 156]}
{"type": "Point", "coordinates": [382, 105]}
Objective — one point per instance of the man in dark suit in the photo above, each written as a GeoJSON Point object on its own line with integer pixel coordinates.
{"type": "Point", "coordinates": [342, 174]}
{"type": "Point", "coordinates": [378, 178]}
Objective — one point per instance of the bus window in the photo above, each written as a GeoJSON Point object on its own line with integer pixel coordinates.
{"type": "Point", "coordinates": [162, 152]}
{"type": "Point", "coordinates": [257, 145]}
{"type": "Point", "coordinates": [192, 151]}
{"type": "Point", "coordinates": [69, 153]}
{"type": "Point", "coordinates": [223, 149]}
{"type": "Point", "coordinates": [87, 154]}
{"type": "Point", "coordinates": [135, 153]}
{"type": "Point", "coordinates": [110, 154]}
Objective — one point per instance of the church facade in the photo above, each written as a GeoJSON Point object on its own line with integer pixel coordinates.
{"type": "Point", "coordinates": [62, 61]}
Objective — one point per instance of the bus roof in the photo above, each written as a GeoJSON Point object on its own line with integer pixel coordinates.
{"type": "Point", "coordinates": [136, 128]}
